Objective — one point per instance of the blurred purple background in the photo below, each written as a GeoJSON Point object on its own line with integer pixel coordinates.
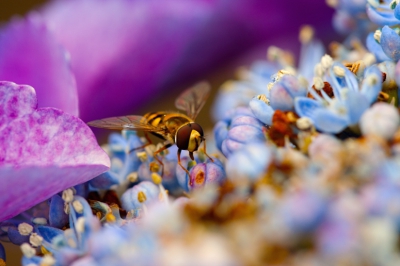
{"type": "Point", "coordinates": [125, 54]}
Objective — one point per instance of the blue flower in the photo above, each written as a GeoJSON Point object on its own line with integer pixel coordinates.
{"type": "Point", "coordinates": [206, 173]}
{"type": "Point", "coordinates": [286, 85]}
{"type": "Point", "coordinates": [124, 160]}
{"type": "Point", "coordinates": [237, 130]}
{"type": "Point", "coordinates": [136, 197]}
{"type": "Point", "coordinates": [250, 162]}
{"type": "Point", "coordinates": [254, 81]}
{"type": "Point", "coordinates": [376, 48]}
{"type": "Point", "coordinates": [65, 246]}
{"type": "Point", "coordinates": [383, 13]}
{"type": "Point", "coordinates": [390, 42]}
{"type": "Point", "coordinates": [352, 7]}
{"type": "Point", "coordinates": [281, 97]}
{"type": "Point", "coordinates": [262, 74]}
{"type": "Point", "coordinates": [284, 91]}
{"type": "Point", "coordinates": [301, 219]}
{"type": "Point", "coordinates": [350, 17]}
{"type": "Point", "coordinates": [169, 170]}
{"type": "Point", "coordinates": [351, 99]}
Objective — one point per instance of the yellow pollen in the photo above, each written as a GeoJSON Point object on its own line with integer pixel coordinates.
{"type": "Point", "coordinates": [43, 250]}
{"type": "Point", "coordinates": [156, 178]}
{"type": "Point", "coordinates": [110, 218]}
{"type": "Point", "coordinates": [154, 167]}
{"type": "Point", "coordinates": [141, 197]}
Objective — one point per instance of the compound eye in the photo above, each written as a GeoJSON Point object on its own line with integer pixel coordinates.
{"type": "Point", "coordinates": [183, 137]}
{"type": "Point", "coordinates": [198, 128]}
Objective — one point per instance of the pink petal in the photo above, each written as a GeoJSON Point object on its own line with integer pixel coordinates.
{"type": "Point", "coordinates": [29, 54]}
{"type": "Point", "coordinates": [42, 151]}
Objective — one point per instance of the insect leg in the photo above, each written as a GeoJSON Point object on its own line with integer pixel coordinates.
{"type": "Point", "coordinates": [166, 146]}
{"type": "Point", "coordinates": [179, 162]}
{"type": "Point", "coordinates": [149, 142]}
{"type": "Point", "coordinates": [205, 151]}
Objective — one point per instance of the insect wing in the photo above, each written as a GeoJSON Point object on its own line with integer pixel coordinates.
{"type": "Point", "coordinates": [130, 122]}
{"type": "Point", "coordinates": [193, 99]}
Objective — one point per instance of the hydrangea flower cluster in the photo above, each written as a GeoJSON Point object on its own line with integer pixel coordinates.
{"type": "Point", "coordinates": [304, 169]}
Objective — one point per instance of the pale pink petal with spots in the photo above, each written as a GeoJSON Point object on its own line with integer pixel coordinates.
{"type": "Point", "coordinates": [42, 151]}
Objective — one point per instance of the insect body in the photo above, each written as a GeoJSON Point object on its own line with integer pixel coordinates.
{"type": "Point", "coordinates": [172, 127]}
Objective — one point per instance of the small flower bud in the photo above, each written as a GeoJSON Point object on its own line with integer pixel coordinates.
{"type": "Point", "coordinates": [77, 206]}
{"type": "Point", "coordinates": [80, 225]}
{"type": "Point", "coordinates": [142, 156]}
{"type": "Point", "coordinates": [318, 83]}
{"type": "Point", "coordinates": [39, 221]}
{"type": "Point", "coordinates": [326, 61]}
{"type": "Point", "coordinates": [27, 250]}
{"type": "Point", "coordinates": [25, 229]}
{"type": "Point", "coordinates": [68, 195]}
{"type": "Point", "coordinates": [369, 59]}
{"type": "Point", "coordinates": [66, 208]}
{"type": "Point", "coordinates": [371, 79]}
{"type": "Point", "coordinates": [48, 260]}
{"type": "Point", "coordinates": [306, 34]}
{"type": "Point", "coordinates": [381, 119]}
{"type": "Point", "coordinates": [206, 173]}
{"type": "Point", "coordinates": [332, 3]}
{"type": "Point", "coordinates": [273, 53]}
{"type": "Point", "coordinates": [132, 177]}
{"type": "Point", "coordinates": [134, 197]}
{"type": "Point", "coordinates": [319, 70]}
{"type": "Point", "coordinates": [339, 71]}
{"type": "Point", "coordinates": [304, 123]}
{"type": "Point", "coordinates": [378, 35]}
{"type": "Point", "coordinates": [35, 240]}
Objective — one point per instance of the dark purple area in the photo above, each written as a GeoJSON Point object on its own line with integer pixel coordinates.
{"type": "Point", "coordinates": [165, 47]}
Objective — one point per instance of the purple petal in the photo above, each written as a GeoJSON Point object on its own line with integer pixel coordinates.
{"type": "Point", "coordinates": [138, 48]}
{"type": "Point", "coordinates": [29, 54]}
{"type": "Point", "coordinates": [206, 173]}
{"type": "Point", "coordinates": [42, 150]}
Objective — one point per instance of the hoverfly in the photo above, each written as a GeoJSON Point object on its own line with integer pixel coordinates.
{"type": "Point", "coordinates": [172, 127]}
